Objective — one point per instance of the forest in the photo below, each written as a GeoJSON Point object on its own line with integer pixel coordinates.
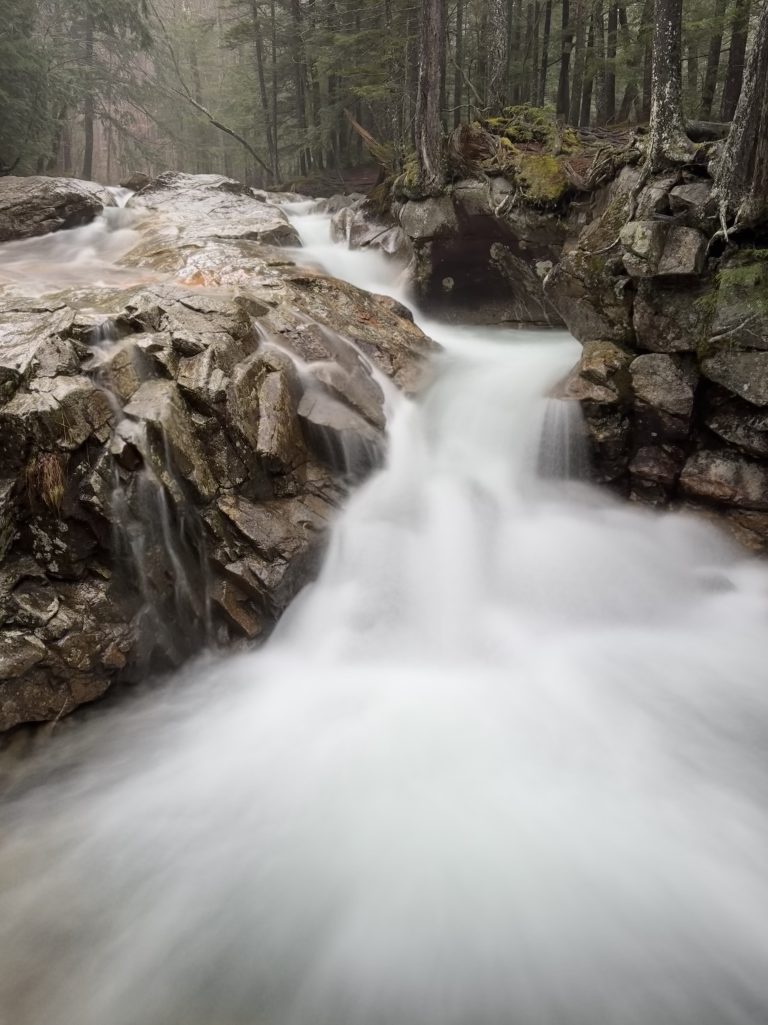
{"type": "Point", "coordinates": [275, 91]}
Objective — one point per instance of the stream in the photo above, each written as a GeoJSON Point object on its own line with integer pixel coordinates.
{"type": "Point", "coordinates": [503, 763]}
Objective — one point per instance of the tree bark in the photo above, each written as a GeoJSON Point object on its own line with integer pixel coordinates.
{"type": "Point", "coordinates": [89, 103]}
{"type": "Point", "coordinates": [713, 61]}
{"type": "Point", "coordinates": [610, 60]}
{"type": "Point", "coordinates": [741, 181]}
{"type": "Point", "coordinates": [428, 129]}
{"type": "Point", "coordinates": [563, 86]}
{"type": "Point", "coordinates": [458, 67]}
{"type": "Point", "coordinates": [736, 58]}
{"type": "Point", "coordinates": [589, 79]}
{"type": "Point", "coordinates": [496, 50]}
{"type": "Point", "coordinates": [273, 69]}
{"type": "Point", "coordinates": [598, 64]}
{"type": "Point", "coordinates": [265, 105]}
{"type": "Point", "coordinates": [579, 63]}
{"type": "Point", "coordinates": [668, 142]}
{"type": "Point", "coordinates": [542, 97]}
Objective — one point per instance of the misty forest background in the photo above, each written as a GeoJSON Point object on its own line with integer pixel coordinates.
{"type": "Point", "coordinates": [269, 90]}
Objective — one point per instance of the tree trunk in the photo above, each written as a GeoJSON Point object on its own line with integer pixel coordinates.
{"type": "Point", "coordinates": [532, 55]}
{"type": "Point", "coordinates": [542, 97]}
{"type": "Point", "coordinates": [632, 48]}
{"type": "Point", "coordinates": [496, 50]}
{"type": "Point", "coordinates": [741, 181]}
{"type": "Point", "coordinates": [736, 55]}
{"type": "Point", "coordinates": [598, 65]}
{"type": "Point", "coordinates": [668, 143]}
{"type": "Point", "coordinates": [713, 61]}
{"type": "Point", "coordinates": [273, 69]}
{"type": "Point", "coordinates": [563, 86]}
{"type": "Point", "coordinates": [579, 63]}
{"type": "Point", "coordinates": [300, 87]}
{"type": "Point", "coordinates": [589, 78]}
{"type": "Point", "coordinates": [89, 103]}
{"type": "Point", "coordinates": [265, 105]}
{"type": "Point", "coordinates": [692, 74]}
{"type": "Point", "coordinates": [428, 128]}
{"type": "Point", "coordinates": [610, 58]}
{"type": "Point", "coordinates": [458, 67]}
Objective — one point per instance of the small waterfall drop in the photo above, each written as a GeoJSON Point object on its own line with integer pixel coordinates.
{"type": "Point", "coordinates": [502, 763]}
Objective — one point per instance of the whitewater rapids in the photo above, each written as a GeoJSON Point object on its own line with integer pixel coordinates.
{"type": "Point", "coordinates": [502, 764]}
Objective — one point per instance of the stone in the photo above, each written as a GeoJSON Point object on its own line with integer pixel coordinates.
{"type": "Point", "coordinates": [157, 483]}
{"type": "Point", "coordinates": [669, 318]}
{"type": "Point", "coordinates": [424, 219]}
{"type": "Point", "coordinates": [691, 198]}
{"type": "Point", "coordinates": [654, 248]}
{"type": "Point", "coordinates": [657, 464]}
{"type": "Point", "coordinates": [338, 435]}
{"type": "Point", "coordinates": [684, 253]}
{"type": "Point", "coordinates": [664, 383]}
{"type": "Point", "coordinates": [210, 205]}
{"type": "Point", "coordinates": [601, 375]}
{"type": "Point", "coordinates": [743, 373]}
{"type": "Point", "coordinates": [742, 426]}
{"type": "Point", "coordinates": [37, 205]}
{"type": "Point", "coordinates": [727, 478]}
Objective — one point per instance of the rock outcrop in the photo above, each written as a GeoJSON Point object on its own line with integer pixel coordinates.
{"type": "Point", "coordinates": [481, 256]}
{"type": "Point", "coordinates": [171, 455]}
{"type": "Point", "coordinates": [38, 205]}
{"type": "Point", "coordinates": [673, 377]}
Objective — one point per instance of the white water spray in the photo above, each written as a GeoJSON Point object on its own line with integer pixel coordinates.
{"type": "Point", "coordinates": [501, 765]}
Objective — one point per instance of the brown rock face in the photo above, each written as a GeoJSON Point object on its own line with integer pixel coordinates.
{"type": "Point", "coordinates": [171, 456]}
{"type": "Point", "coordinates": [37, 205]}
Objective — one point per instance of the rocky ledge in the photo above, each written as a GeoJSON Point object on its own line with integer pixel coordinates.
{"type": "Point", "coordinates": [171, 454]}
{"type": "Point", "coordinates": [673, 378]}
{"type": "Point", "coordinates": [38, 205]}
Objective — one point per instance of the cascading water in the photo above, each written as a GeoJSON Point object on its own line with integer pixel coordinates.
{"type": "Point", "coordinates": [503, 763]}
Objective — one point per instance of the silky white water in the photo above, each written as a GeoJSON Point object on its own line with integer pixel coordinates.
{"type": "Point", "coordinates": [502, 764]}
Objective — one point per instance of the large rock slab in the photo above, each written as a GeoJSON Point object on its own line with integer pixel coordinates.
{"type": "Point", "coordinates": [212, 206]}
{"type": "Point", "coordinates": [171, 455]}
{"type": "Point", "coordinates": [38, 205]}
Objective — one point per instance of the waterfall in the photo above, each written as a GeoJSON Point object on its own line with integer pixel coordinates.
{"type": "Point", "coordinates": [502, 763]}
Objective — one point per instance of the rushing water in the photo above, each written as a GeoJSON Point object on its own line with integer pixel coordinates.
{"type": "Point", "coordinates": [503, 764]}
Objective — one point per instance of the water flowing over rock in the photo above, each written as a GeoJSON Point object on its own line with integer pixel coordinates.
{"type": "Point", "coordinates": [171, 454]}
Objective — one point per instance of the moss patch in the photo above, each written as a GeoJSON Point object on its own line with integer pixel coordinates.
{"type": "Point", "coordinates": [541, 177]}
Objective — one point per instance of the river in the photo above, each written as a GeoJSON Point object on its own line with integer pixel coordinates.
{"type": "Point", "coordinates": [502, 764]}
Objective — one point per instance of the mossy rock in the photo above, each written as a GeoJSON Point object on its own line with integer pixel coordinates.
{"type": "Point", "coordinates": [526, 125]}
{"type": "Point", "coordinates": [541, 177]}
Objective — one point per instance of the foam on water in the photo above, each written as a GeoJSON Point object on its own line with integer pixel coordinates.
{"type": "Point", "coordinates": [502, 763]}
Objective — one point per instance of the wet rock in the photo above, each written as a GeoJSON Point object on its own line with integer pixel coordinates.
{"type": "Point", "coordinates": [428, 218]}
{"type": "Point", "coordinates": [658, 464]}
{"type": "Point", "coordinates": [726, 477]}
{"type": "Point", "coordinates": [663, 382]}
{"type": "Point", "coordinates": [669, 318]}
{"type": "Point", "coordinates": [172, 478]}
{"type": "Point", "coordinates": [37, 205]}
{"type": "Point", "coordinates": [742, 426]}
{"type": "Point", "coordinates": [212, 206]}
{"type": "Point", "coordinates": [338, 435]}
{"type": "Point", "coordinates": [743, 373]}
{"type": "Point", "coordinates": [601, 375]}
